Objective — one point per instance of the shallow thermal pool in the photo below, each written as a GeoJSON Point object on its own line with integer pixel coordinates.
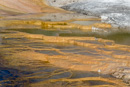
{"type": "Point", "coordinates": [120, 37]}
{"type": "Point", "coordinates": [25, 71]}
{"type": "Point", "coordinates": [39, 62]}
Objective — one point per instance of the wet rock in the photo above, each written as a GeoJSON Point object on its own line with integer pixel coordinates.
{"type": "Point", "coordinates": [126, 78]}
{"type": "Point", "coordinates": [123, 73]}
{"type": "Point", "coordinates": [64, 16]}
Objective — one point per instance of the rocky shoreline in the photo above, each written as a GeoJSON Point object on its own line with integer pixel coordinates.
{"type": "Point", "coordinates": [118, 17]}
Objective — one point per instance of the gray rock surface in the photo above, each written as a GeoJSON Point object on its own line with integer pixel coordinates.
{"type": "Point", "coordinates": [59, 3]}
{"type": "Point", "coordinates": [64, 16]}
{"type": "Point", "coordinates": [116, 12]}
